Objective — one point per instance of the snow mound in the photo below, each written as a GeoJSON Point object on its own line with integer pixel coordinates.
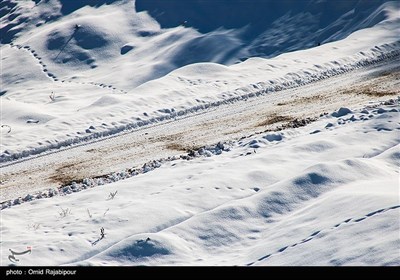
{"type": "Point", "coordinates": [137, 249]}
{"type": "Point", "coordinates": [341, 112]}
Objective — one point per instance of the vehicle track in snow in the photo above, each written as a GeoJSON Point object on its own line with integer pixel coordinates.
{"type": "Point", "coordinates": [387, 53]}
{"type": "Point", "coordinates": [222, 123]}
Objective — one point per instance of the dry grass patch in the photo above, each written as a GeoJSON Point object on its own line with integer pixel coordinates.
{"type": "Point", "coordinates": [274, 118]}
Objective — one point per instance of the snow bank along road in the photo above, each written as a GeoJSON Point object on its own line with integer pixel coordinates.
{"type": "Point", "coordinates": [227, 122]}
{"type": "Point", "coordinates": [323, 194]}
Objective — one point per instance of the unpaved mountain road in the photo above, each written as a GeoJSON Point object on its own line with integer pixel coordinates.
{"type": "Point", "coordinates": [226, 122]}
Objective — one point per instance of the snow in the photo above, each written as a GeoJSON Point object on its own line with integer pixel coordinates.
{"type": "Point", "coordinates": [100, 88]}
{"type": "Point", "coordinates": [304, 199]}
{"type": "Point", "coordinates": [305, 190]}
{"type": "Point", "coordinates": [269, 27]}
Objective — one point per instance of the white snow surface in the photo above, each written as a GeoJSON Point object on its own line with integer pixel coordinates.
{"type": "Point", "coordinates": [323, 194]}
{"type": "Point", "coordinates": [63, 85]}
{"type": "Point", "coordinates": [318, 195]}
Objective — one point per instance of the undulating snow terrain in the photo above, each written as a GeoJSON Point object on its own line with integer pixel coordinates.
{"type": "Point", "coordinates": [100, 78]}
{"type": "Point", "coordinates": [200, 132]}
{"type": "Point", "coordinates": [326, 194]}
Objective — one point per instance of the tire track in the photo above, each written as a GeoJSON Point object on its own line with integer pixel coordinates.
{"type": "Point", "coordinates": [141, 147]}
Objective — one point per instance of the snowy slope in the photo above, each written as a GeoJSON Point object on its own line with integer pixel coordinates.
{"type": "Point", "coordinates": [270, 27]}
{"type": "Point", "coordinates": [321, 192]}
{"type": "Point", "coordinates": [63, 85]}
{"type": "Point", "coordinates": [325, 194]}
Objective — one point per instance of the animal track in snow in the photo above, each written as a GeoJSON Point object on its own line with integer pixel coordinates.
{"type": "Point", "coordinates": [53, 77]}
{"type": "Point", "coordinates": [37, 58]}
{"type": "Point", "coordinates": [318, 232]}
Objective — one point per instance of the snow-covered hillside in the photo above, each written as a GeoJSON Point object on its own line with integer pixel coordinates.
{"type": "Point", "coordinates": [198, 132]}
{"type": "Point", "coordinates": [268, 27]}
{"type": "Point", "coordinates": [326, 194]}
{"type": "Point", "coordinates": [70, 74]}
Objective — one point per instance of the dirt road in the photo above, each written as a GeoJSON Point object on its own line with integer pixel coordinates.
{"type": "Point", "coordinates": [226, 122]}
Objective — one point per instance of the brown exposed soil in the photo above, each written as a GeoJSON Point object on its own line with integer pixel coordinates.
{"type": "Point", "coordinates": [370, 91]}
{"type": "Point", "coordinates": [274, 118]}
{"type": "Point", "coordinates": [300, 100]}
{"type": "Point", "coordinates": [66, 174]}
